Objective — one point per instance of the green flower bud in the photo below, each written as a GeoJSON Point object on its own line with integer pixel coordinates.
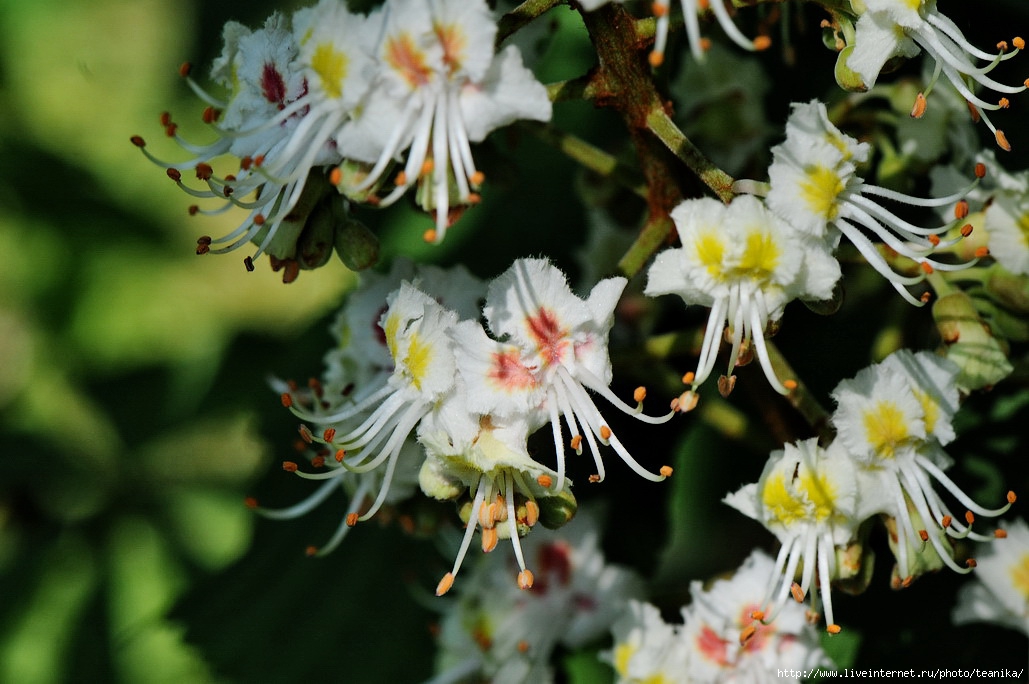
{"type": "Point", "coordinates": [969, 342]}
{"type": "Point", "coordinates": [356, 245]}
{"type": "Point", "coordinates": [557, 510]}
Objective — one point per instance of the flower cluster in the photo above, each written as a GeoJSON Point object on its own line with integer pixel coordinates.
{"type": "Point", "coordinates": [331, 98]}
{"type": "Point", "coordinates": [746, 264]}
{"type": "Point", "coordinates": [892, 28]}
{"type": "Point", "coordinates": [892, 421]}
{"type": "Point", "coordinates": [494, 630]}
{"type": "Point", "coordinates": [415, 368]}
{"type": "Point", "coordinates": [445, 387]}
{"type": "Point", "coordinates": [815, 187]}
{"type": "Point", "coordinates": [716, 642]}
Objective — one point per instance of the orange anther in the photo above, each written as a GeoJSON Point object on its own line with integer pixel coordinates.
{"type": "Point", "coordinates": [966, 230]}
{"type": "Point", "coordinates": [351, 519]}
{"type": "Point", "coordinates": [797, 592]}
{"type": "Point", "coordinates": [790, 384]}
{"type": "Point", "coordinates": [246, 162]}
{"type": "Point", "coordinates": [961, 209]}
{"type": "Point", "coordinates": [945, 521]}
{"type": "Point", "coordinates": [445, 584]}
{"type": "Point", "coordinates": [918, 109]}
{"type": "Point", "coordinates": [430, 235]}
{"type": "Point", "coordinates": [833, 629]}
{"type": "Point", "coordinates": [532, 513]}
{"type": "Point", "coordinates": [525, 579]}
{"type": "Point", "coordinates": [250, 502]}
{"type": "Point", "coordinates": [758, 615]}
{"type": "Point", "coordinates": [980, 170]}
{"type": "Point", "coordinates": [934, 239]}
{"type": "Point", "coordinates": [340, 455]}
{"type": "Point", "coordinates": [544, 481]}
{"type": "Point", "coordinates": [762, 43]}
{"type": "Point", "coordinates": [926, 267]}
{"type": "Point", "coordinates": [1002, 46]}
{"type": "Point", "coordinates": [1003, 103]}
{"type": "Point", "coordinates": [639, 394]}
{"type": "Point", "coordinates": [427, 166]}
{"type": "Point", "coordinates": [1002, 140]}
{"type": "Point", "coordinates": [594, 478]}
{"type": "Point", "coordinates": [184, 69]}
{"type": "Point", "coordinates": [969, 517]}
{"type": "Point", "coordinates": [165, 119]}
{"type": "Point", "coordinates": [305, 433]}
{"type": "Point", "coordinates": [289, 466]}
{"type": "Point", "coordinates": [605, 432]}
{"type": "Point", "coordinates": [174, 175]}
{"type": "Point", "coordinates": [259, 160]}
{"type": "Point", "coordinates": [1000, 534]}
{"type": "Point", "coordinates": [473, 198]}
{"type": "Point", "coordinates": [209, 115]}
{"type": "Point", "coordinates": [287, 399]}
{"type": "Point", "coordinates": [656, 58]}
{"type": "Point", "coordinates": [1011, 497]}
{"type": "Point", "coordinates": [138, 141]}
{"type": "Point", "coordinates": [659, 9]}
{"type": "Point", "coordinates": [477, 178]}
{"type": "Point", "coordinates": [329, 434]}
{"type": "Point", "coordinates": [688, 401]}
{"type": "Point", "coordinates": [1018, 43]}
{"type": "Point", "coordinates": [311, 551]}
{"type": "Point", "coordinates": [971, 562]}
{"type": "Point", "coordinates": [204, 171]}
{"type": "Point", "coordinates": [576, 442]}
{"type": "Point", "coordinates": [982, 252]}
{"type": "Point", "coordinates": [318, 462]}
{"type": "Point", "coordinates": [705, 44]}
{"type": "Point", "coordinates": [335, 176]}
{"type": "Point", "coordinates": [923, 535]}
{"type": "Point", "coordinates": [258, 219]}
{"type": "Point", "coordinates": [666, 471]}
{"type": "Point", "coordinates": [489, 539]}
{"type": "Point", "coordinates": [907, 581]}
{"type": "Point", "coordinates": [523, 646]}
{"type": "Point", "coordinates": [688, 378]}
{"type": "Point", "coordinates": [400, 179]}
{"type": "Point", "coordinates": [747, 634]}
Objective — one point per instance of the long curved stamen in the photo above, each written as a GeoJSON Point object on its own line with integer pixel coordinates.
{"type": "Point", "coordinates": [345, 524]}
{"type": "Point", "coordinates": [757, 326]}
{"type": "Point", "coordinates": [595, 384]}
{"type": "Point", "coordinates": [712, 338]}
{"type": "Point", "coordinates": [857, 214]}
{"type": "Point", "coordinates": [390, 149]}
{"type": "Point", "coordinates": [947, 26]}
{"type": "Point", "coordinates": [826, 561]}
{"type": "Point", "coordinates": [965, 500]}
{"type": "Point", "coordinates": [347, 413]}
{"type": "Point", "coordinates": [917, 497]}
{"type": "Point", "coordinates": [303, 507]}
{"type": "Point", "coordinates": [559, 445]}
{"type": "Point", "coordinates": [876, 261]}
{"type": "Point", "coordinates": [954, 62]}
{"type": "Point", "coordinates": [568, 405]}
{"type": "Point", "coordinates": [469, 532]}
{"type": "Point", "coordinates": [739, 308]}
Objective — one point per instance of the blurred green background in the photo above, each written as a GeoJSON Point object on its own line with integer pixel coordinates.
{"type": "Point", "coordinates": [135, 413]}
